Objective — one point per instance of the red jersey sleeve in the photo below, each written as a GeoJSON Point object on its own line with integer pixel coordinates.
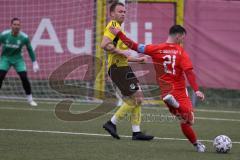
{"type": "Point", "coordinates": [151, 49]}
{"type": "Point", "coordinates": [127, 41]}
{"type": "Point", "coordinates": [192, 79]}
{"type": "Point", "coordinates": [141, 48]}
{"type": "Point", "coordinates": [188, 69]}
{"type": "Point", "coordinates": [185, 61]}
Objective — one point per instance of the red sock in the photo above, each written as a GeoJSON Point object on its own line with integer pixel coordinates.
{"type": "Point", "coordinates": [189, 132]}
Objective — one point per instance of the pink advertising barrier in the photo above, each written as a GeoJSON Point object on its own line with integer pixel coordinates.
{"type": "Point", "coordinates": [212, 34]}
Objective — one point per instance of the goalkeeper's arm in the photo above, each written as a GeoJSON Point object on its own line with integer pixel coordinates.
{"type": "Point", "coordinates": [32, 56]}
{"type": "Point", "coordinates": [30, 50]}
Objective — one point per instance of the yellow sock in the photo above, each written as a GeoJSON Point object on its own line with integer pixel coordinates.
{"type": "Point", "coordinates": [136, 115]}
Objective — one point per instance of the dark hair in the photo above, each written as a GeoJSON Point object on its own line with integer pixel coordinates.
{"type": "Point", "coordinates": [114, 5]}
{"type": "Point", "coordinates": [177, 29]}
{"type": "Point", "coordinates": [14, 19]}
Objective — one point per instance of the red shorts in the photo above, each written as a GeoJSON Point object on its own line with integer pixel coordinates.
{"type": "Point", "coordinates": [185, 105]}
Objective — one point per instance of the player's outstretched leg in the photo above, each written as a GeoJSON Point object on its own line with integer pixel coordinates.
{"type": "Point", "coordinates": [199, 147]}
{"type": "Point", "coordinates": [27, 88]}
{"type": "Point", "coordinates": [192, 137]}
{"type": "Point", "coordinates": [2, 76]}
{"type": "Point", "coordinates": [186, 120]}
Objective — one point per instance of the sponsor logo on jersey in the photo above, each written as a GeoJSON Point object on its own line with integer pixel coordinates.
{"type": "Point", "coordinates": [9, 45]}
{"type": "Point", "coordinates": [15, 46]}
{"type": "Point", "coordinates": [18, 42]}
{"type": "Point", "coordinates": [167, 51]}
{"type": "Point", "coordinates": [132, 86]}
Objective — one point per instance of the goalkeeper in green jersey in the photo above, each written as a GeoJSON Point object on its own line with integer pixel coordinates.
{"type": "Point", "coordinates": [12, 42]}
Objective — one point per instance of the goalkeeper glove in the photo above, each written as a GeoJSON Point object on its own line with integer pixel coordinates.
{"type": "Point", "coordinates": [35, 66]}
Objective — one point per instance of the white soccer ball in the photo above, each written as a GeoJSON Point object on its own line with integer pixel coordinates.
{"type": "Point", "coordinates": [222, 144]}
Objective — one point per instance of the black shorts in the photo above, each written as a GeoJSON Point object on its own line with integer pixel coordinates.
{"type": "Point", "coordinates": [124, 79]}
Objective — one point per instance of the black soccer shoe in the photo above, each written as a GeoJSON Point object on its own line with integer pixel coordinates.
{"type": "Point", "coordinates": [141, 136]}
{"type": "Point", "coordinates": [111, 128]}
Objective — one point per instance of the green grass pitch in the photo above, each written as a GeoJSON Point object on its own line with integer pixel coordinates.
{"type": "Point", "coordinates": [37, 134]}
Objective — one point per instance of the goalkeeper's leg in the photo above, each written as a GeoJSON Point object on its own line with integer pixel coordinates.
{"type": "Point", "coordinates": [2, 76]}
{"type": "Point", "coordinates": [27, 87]}
{"type": "Point", "coordinates": [4, 67]}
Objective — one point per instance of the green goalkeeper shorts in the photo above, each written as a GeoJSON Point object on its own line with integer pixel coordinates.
{"type": "Point", "coordinates": [18, 64]}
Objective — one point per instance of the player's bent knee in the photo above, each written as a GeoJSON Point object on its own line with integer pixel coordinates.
{"type": "Point", "coordinates": [129, 101]}
{"type": "Point", "coordinates": [191, 122]}
{"type": "Point", "coordinates": [138, 99]}
{"type": "Point", "coordinates": [187, 122]}
{"type": "Point", "coordinates": [187, 118]}
{"type": "Point", "coordinates": [139, 102]}
{"type": "Point", "coordinates": [23, 75]}
{"type": "Point", "coordinates": [192, 119]}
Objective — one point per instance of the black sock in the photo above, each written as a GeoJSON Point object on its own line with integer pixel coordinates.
{"type": "Point", "coordinates": [2, 76]}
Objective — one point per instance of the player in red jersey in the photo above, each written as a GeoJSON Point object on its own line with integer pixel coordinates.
{"type": "Point", "coordinates": [171, 62]}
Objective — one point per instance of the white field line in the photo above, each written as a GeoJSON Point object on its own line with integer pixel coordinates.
{"type": "Point", "coordinates": [198, 110]}
{"type": "Point", "coordinates": [218, 119]}
{"type": "Point", "coordinates": [150, 114]}
{"type": "Point", "coordinates": [94, 134]}
{"type": "Point", "coordinates": [147, 108]}
{"type": "Point", "coordinates": [144, 107]}
{"type": "Point", "coordinates": [217, 111]}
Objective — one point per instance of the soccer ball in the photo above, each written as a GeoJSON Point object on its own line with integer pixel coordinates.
{"type": "Point", "coordinates": [222, 144]}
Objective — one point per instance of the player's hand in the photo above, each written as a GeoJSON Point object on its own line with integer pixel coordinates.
{"type": "Point", "coordinates": [35, 66]}
{"type": "Point", "coordinates": [143, 59]}
{"type": "Point", "coordinates": [200, 95]}
{"type": "Point", "coordinates": [114, 30]}
{"type": "Point", "coordinates": [125, 53]}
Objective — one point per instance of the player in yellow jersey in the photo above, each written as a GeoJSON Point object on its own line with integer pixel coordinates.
{"type": "Point", "coordinates": [123, 76]}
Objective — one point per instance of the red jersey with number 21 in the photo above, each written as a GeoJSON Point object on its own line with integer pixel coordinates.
{"type": "Point", "coordinates": [170, 61]}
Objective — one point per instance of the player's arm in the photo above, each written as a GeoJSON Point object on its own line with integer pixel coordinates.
{"type": "Point", "coordinates": [140, 48]}
{"type": "Point", "coordinates": [1, 38]}
{"type": "Point", "coordinates": [188, 70]}
{"type": "Point", "coordinates": [107, 45]}
{"type": "Point", "coordinates": [142, 59]}
{"type": "Point", "coordinates": [30, 50]}
{"type": "Point", "coordinates": [192, 81]}
{"type": "Point", "coordinates": [32, 55]}
{"type": "Point", "coordinates": [109, 39]}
